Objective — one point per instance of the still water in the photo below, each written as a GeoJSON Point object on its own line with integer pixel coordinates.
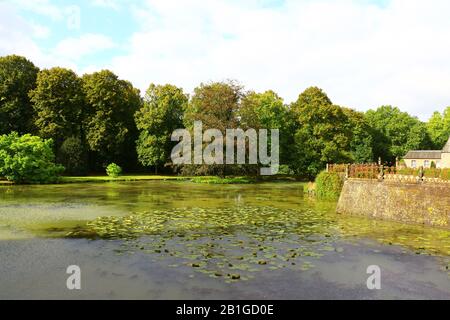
{"type": "Point", "coordinates": [181, 240]}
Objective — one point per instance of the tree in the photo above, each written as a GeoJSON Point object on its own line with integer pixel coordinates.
{"type": "Point", "coordinates": [58, 101]}
{"type": "Point", "coordinates": [396, 132]}
{"type": "Point", "coordinates": [322, 136]}
{"type": "Point", "coordinates": [28, 159]}
{"type": "Point", "coordinates": [17, 78]}
{"type": "Point", "coordinates": [361, 144]}
{"type": "Point", "coordinates": [160, 114]}
{"type": "Point", "coordinates": [109, 123]}
{"type": "Point", "coordinates": [268, 111]}
{"type": "Point", "coordinates": [73, 156]}
{"type": "Point", "coordinates": [216, 105]}
{"type": "Point", "coordinates": [439, 128]}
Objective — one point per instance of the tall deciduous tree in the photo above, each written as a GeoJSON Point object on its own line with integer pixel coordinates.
{"type": "Point", "coordinates": [161, 114]}
{"type": "Point", "coordinates": [17, 78]}
{"type": "Point", "coordinates": [396, 132]}
{"type": "Point", "coordinates": [322, 135]}
{"type": "Point", "coordinates": [361, 144]}
{"type": "Point", "coordinates": [215, 104]}
{"type": "Point", "coordinates": [58, 101]}
{"type": "Point", "coordinates": [110, 127]}
{"type": "Point", "coordinates": [439, 128]}
{"type": "Point", "coordinates": [268, 111]}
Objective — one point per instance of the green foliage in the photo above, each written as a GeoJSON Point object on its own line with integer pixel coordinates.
{"type": "Point", "coordinates": [445, 174]}
{"type": "Point", "coordinates": [218, 180]}
{"type": "Point", "coordinates": [28, 159]}
{"type": "Point", "coordinates": [103, 118]}
{"type": "Point", "coordinates": [215, 104]}
{"type": "Point", "coordinates": [329, 185]}
{"type": "Point", "coordinates": [17, 78]}
{"type": "Point", "coordinates": [159, 116]}
{"type": "Point", "coordinates": [323, 135]}
{"type": "Point", "coordinates": [73, 156]}
{"type": "Point", "coordinates": [113, 170]}
{"type": "Point", "coordinates": [58, 101]}
{"type": "Point", "coordinates": [109, 123]}
{"type": "Point", "coordinates": [439, 128]}
{"type": "Point", "coordinates": [361, 144]}
{"type": "Point", "coordinates": [285, 170]}
{"type": "Point", "coordinates": [268, 111]}
{"type": "Point", "coordinates": [396, 132]}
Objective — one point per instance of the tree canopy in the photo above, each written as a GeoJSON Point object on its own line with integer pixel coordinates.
{"type": "Point", "coordinates": [98, 119]}
{"type": "Point", "coordinates": [439, 128]}
{"type": "Point", "coordinates": [323, 135]}
{"type": "Point", "coordinates": [17, 78]}
{"type": "Point", "coordinates": [161, 114]}
{"type": "Point", "coordinates": [109, 120]}
{"type": "Point", "coordinates": [396, 132]}
{"type": "Point", "coordinates": [58, 101]}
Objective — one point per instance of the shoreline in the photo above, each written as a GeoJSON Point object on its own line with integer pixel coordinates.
{"type": "Point", "coordinates": [140, 178]}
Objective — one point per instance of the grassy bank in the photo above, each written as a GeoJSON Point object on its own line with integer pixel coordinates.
{"type": "Point", "coordinates": [140, 177]}
{"type": "Point", "coordinates": [226, 180]}
{"type": "Point", "coordinates": [123, 178]}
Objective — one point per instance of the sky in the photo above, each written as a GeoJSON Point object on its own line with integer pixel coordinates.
{"type": "Point", "coordinates": [362, 53]}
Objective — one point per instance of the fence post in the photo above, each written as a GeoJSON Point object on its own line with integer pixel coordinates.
{"type": "Point", "coordinates": [328, 170]}
{"type": "Point", "coordinates": [347, 171]}
{"type": "Point", "coordinates": [381, 176]}
{"type": "Point", "coordinates": [421, 173]}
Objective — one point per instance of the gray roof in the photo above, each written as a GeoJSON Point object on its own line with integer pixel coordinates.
{"type": "Point", "coordinates": [428, 154]}
{"type": "Point", "coordinates": [424, 154]}
{"type": "Point", "coordinates": [446, 148]}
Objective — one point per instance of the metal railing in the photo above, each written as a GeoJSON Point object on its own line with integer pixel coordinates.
{"type": "Point", "coordinates": [373, 171]}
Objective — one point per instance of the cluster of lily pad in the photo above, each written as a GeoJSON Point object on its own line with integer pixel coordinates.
{"type": "Point", "coordinates": [229, 243]}
{"type": "Point", "coordinates": [234, 243]}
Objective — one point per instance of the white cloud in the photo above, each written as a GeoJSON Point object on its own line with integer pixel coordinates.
{"type": "Point", "coordinates": [42, 7]}
{"type": "Point", "coordinates": [40, 31]}
{"type": "Point", "coordinates": [71, 14]}
{"type": "Point", "coordinates": [18, 37]}
{"type": "Point", "coordinates": [86, 44]}
{"type": "Point", "coordinates": [362, 55]}
{"type": "Point", "coordinates": [112, 4]}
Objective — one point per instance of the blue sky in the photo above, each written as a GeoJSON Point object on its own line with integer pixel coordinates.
{"type": "Point", "coordinates": [363, 53]}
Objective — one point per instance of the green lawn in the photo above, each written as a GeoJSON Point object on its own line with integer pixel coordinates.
{"type": "Point", "coordinates": [121, 178]}
{"type": "Point", "coordinates": [140, 177]}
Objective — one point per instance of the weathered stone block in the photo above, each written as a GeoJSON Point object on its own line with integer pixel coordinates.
{"type": "Point", "coordinates": [420, 203]}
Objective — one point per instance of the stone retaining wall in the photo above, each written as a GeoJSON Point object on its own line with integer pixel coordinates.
{"type": "Point", "coordinates": [421, 202]}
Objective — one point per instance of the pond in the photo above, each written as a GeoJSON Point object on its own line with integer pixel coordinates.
{"type": "Point", "coordinates": [181, 240]}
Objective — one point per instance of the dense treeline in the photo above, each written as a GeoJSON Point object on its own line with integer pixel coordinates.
{"type": "Point", "coordinates": [98, 118]}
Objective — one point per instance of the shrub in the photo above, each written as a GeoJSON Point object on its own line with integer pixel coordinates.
{"type": "Point", "coordinates": [28, 159]}
{"type": "Point", "coordinates": [445, 174]}
{"type": "Point", "coordinates": [73, 156]}
{"type": "Point", "coordinates": [329, 185]}
{"type": "Point", "coordinates": [113, 170]}
{"type": "Point", "coordinates": [285, 170]}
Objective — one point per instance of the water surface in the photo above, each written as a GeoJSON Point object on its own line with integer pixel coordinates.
{"type": "Point", "coordinates": [170, 240]}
